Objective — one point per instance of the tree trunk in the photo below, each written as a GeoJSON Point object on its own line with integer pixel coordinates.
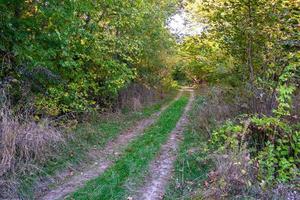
{"type": "Point", "coordinates": [250, 55]}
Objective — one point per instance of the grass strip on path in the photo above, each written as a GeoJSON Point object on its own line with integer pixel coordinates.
{"type": "Point", "coordinates": [137, 156]}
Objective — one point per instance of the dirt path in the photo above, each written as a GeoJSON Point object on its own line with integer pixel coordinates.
{"type": "Point", "coordinates": [104, 160]}
{"type": "Point", "coordinates": [161, 168]}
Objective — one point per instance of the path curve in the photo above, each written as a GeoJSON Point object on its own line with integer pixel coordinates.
{"type": "Point", "coordinates": [161, 168]}
{"type": "Point", "coordinates": [104, 161]}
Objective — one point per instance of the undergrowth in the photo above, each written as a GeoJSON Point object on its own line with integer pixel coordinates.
{"type": "Point", "coordinates": [24, 143]}
{"type": "Point", "coordinates": [261, 151]}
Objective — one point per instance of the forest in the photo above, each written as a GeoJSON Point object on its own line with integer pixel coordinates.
{"type": "Point", "coordinates": [150, 99]}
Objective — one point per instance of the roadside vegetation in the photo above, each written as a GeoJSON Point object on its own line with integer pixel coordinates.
{"type": "Point", "coordinates": [248, 57]}
{"type": "Point", "coordinates": [206, 169]}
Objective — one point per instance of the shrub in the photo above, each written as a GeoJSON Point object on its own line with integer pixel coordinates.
{"type": "Point", "coordinates": [273, 140]}
{"type": "Point", "coordinates": [274, 145]}
{"type": "Point", "coordinates": [232, 176]}
{"type": "Point", "coordinates": [235, 177]}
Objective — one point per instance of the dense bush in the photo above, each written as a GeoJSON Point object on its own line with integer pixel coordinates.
{"type": "Point", "coordinates": [254, 155]}
{"type": "Point", "coordinates": [274, 146]}
{"type": "Point", "coordinates": [272, 143]}
{"type": "Point", "coordinates": [75, 55]}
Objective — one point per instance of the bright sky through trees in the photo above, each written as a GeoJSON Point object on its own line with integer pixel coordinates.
{"type": "Point", "coordinates": [182, 24]}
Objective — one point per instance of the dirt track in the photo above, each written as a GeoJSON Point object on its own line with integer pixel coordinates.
{"type": "Point", "coordinates": [105, 159]}
{"type": "Point", "coordinates": [161, 168]}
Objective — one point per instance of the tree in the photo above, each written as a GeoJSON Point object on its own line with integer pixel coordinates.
{"type": "Point", "coordinates": [254, 34]}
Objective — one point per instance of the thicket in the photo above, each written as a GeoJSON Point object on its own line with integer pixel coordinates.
{"type": "Point", "coordinates": [251, 47]}
{"type": "Point", "coordinates": [70, 56]}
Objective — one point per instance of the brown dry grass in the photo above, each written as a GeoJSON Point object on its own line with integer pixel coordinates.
{"type": "Point", "coordinates": [232, 176]}
{"type": "Point", "coordinates": [136, 95]}
{"type": "Point", "coordinates": [23, 143]}
{"type": "Point", "coordinates": [220, 104]}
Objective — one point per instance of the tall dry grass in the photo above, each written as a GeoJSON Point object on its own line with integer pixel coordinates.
{"type": "Point", "coordinates": [136, 95]}
{"type": "Point", "coordinates": [24, 143]}
{"type": "Point", "coordinates": [220, 104]}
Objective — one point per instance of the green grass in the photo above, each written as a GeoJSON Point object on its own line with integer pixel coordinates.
{"type": "Point", "coordinates": [192, 165]}
{"type": "Point", "coordinates": [137, 156]}
{"type": "Point", "coordinates": [94, 134]}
